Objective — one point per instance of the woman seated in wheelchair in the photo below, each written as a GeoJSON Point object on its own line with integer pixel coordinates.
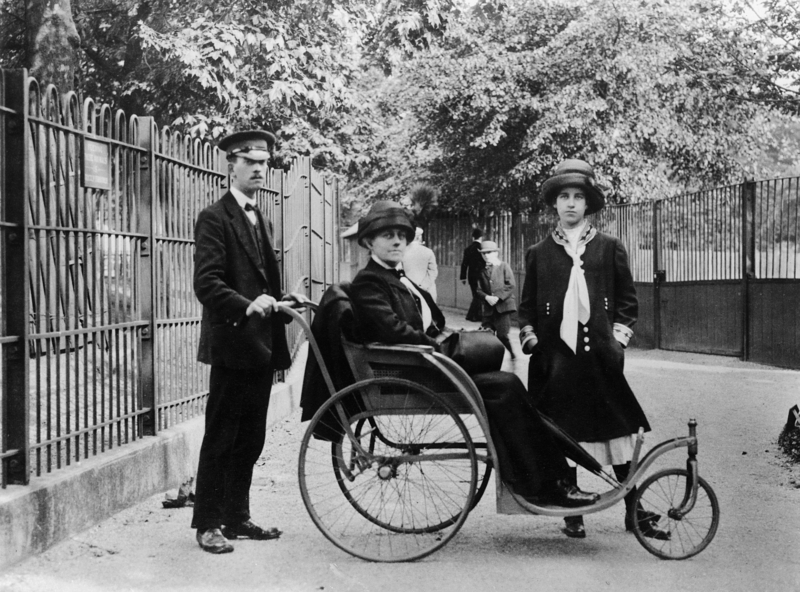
{"type": "Point", "coordinates": [391, 309]}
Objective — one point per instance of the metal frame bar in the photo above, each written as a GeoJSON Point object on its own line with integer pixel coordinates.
{"type": "Point", "coordinates": [16, 289]}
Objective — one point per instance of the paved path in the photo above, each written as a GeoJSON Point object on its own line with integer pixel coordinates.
{"type": "Point", "coordinates": [740, 408]}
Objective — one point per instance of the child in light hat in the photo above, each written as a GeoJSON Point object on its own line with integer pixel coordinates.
{"type": "Point", "coordinates": [496, 286]}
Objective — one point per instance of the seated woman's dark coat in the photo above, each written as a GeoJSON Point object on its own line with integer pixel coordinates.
{"type": "Point", "coordinates": [386, 311]}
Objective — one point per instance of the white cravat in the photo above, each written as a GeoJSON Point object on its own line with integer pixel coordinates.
{"type": "Point", "coordinates": [424, 309]}
{"type": "Point", "coordinates": [576, 300]}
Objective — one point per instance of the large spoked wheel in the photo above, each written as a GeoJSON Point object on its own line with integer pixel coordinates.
{"type": "Point", "coordinates": [663, 493]}
{"type": "Point", "coordinates": [342, 447]}
{"type": "Point", "coordinates": [478, 439]}
{"type": "Point", "coordinates": [395, 474]}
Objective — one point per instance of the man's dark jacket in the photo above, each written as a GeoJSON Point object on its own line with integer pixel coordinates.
{"type": "Point", "coordinates": [228, 275]}
{"type": "Point", "coordinates": [472, 263]}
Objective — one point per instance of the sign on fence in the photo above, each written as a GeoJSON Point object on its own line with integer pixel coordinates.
{"type": "Point", "coordinates": [95, 164]}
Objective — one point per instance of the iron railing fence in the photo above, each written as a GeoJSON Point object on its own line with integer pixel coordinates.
{"type": "Point", "coordinates": [776, 224]}
{"type": "Point", "coordinates": [718, 271]}
{"type": "Point", "coordinates": [83, 271]}
{"type": "Point", "coordinates": [99, 319]}
{"type": "Point", "coordinates": [692, 237]}
{"type": "Point", "coordinates": [187, 176]}
{"type": "Point", "coordinates": [514, 233]}
{"type": "Point", "coordinates": [633, 225]}
{"type": "Point", "coordinates": [700, 235]}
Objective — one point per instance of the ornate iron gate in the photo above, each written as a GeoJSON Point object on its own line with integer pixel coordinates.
{"type": "Point", "coordinates": [716, 272]}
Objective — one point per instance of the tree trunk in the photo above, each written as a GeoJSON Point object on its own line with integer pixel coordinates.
{"type": "Point", "coordinates": [53, 42]}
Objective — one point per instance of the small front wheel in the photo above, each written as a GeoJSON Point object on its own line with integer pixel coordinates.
{"type": "Point", "coordinates": [663, 493]}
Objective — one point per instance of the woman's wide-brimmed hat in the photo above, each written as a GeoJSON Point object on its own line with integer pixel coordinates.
{"type": "Point", "coordinates": [382, 215]}
{"type": "Point", "coordinates": [574, 172]}
{"type": "Point", "coordinates": [488, 246]}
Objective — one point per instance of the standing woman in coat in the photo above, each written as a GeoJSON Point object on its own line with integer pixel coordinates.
{"type": "Point", "coordinates": [576, 315]}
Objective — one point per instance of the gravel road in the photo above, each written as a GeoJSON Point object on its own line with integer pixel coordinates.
{"type": "Point", "coordinates": [739, 407]}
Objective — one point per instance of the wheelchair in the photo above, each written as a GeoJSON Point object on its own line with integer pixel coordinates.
{"type": "Point", "coordinates": [391, 465]}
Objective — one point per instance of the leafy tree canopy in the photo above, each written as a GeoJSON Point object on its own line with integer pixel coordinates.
{"type": "Point", "coordinates": [478, 99]}
{"type": "Point", "coordinates": [777, 24]}
{"type": "Point", "coordinates": [661, 96]}
{"type": "Point", "coordinates": [209, 67]}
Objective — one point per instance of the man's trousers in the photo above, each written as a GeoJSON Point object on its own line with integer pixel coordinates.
{"type": "Point", "coordinates": [236, 423]}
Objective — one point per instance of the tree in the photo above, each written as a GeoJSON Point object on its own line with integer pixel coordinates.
{"type": "Point", "coordinates": [208, 67]}
{"type": "Point", "coordinates": [656, 94]}
{"type": "Point", "coordinates": [41, 36]}
{"type": "Point", "coordinates": [776, 23]}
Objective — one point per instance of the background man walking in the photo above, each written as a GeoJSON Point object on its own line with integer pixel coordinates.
{"type": "Point", "coordinates": [472, 265]}
{"type": "Point", "coordinates": [496, 285]}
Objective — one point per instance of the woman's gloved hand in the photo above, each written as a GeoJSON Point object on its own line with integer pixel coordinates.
{"type": "Point", "coordinates": [527, 339]}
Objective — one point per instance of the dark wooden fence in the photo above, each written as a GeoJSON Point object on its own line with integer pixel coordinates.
{"type": "Point", "coordinates": [99, 319]}
{"type": "Point", "coordinates": [716, 271]}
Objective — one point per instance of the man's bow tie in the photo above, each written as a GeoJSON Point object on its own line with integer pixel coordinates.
{"type": "Point", "coordinates": [250, 208]}
{"type": "Point", "coordinates": [398, 273]}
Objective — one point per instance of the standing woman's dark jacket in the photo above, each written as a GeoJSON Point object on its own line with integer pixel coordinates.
{"type": "Point", "coordinates": [585, 392]}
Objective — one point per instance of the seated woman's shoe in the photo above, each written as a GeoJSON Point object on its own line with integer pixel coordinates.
{"type": "Point", "coordinates": [563, 493]}
{"type": "Point", "coordinates": [573, 527]}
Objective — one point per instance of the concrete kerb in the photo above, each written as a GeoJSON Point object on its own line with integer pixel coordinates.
{"type": "Point", "coordinates": [57, 506]}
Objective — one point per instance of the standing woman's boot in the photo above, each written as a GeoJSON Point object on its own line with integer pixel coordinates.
{"type": "Point", "coordinates": [647, 520]}
{"type": "Point", "coordinates": [573, 525]}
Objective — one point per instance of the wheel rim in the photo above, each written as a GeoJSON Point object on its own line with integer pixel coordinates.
{"type": "Point", "coordinates": [397, 497]}
{"type": "Point", "coordinates": [661, 493]}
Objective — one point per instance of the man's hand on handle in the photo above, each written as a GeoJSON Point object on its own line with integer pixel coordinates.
{"type": "Point", "coordinates": [296, 300]}
{"type": "Point", "coordinates": [264, 306]}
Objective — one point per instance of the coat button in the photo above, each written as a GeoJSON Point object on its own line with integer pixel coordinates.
{"type": "Point", "coordinates": [586, 339]}
{"type": "Point", "coordinates": [587, 348]}
{"type": "Point", "coordinates": [264, 291]}
{"type": "Point", "coordinates": [586, 329]}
